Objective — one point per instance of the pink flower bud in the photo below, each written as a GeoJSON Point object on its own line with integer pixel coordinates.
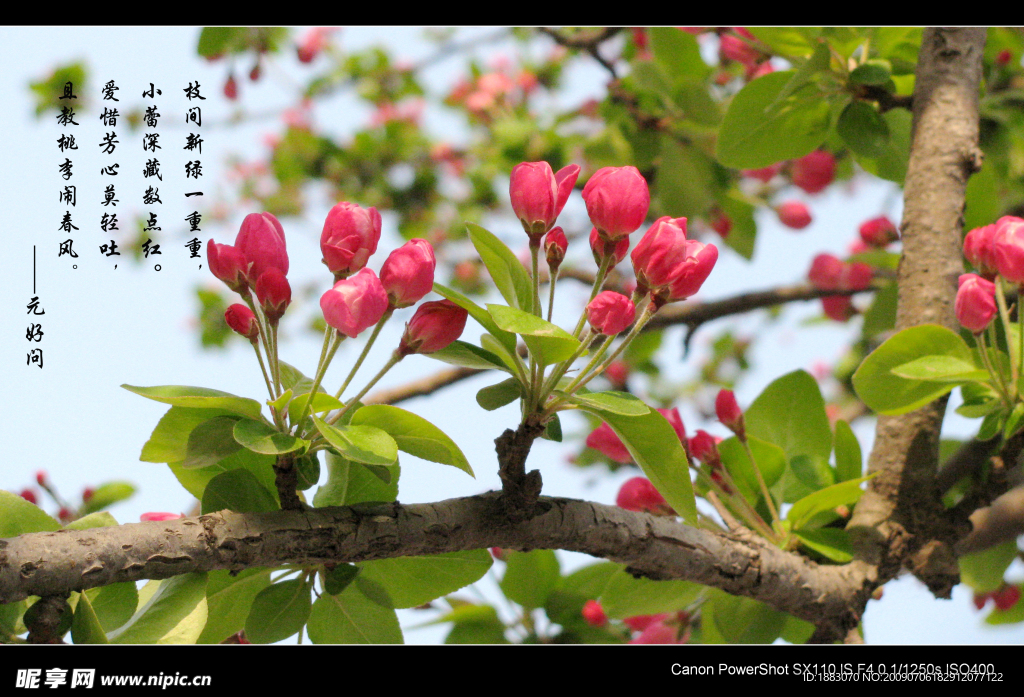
{"type": "Point", "coordinates": [274, 294]}
{"type": "Point", "coordinates": [729, 412]}
{"type": "Point", "coordinates": [602, 247]}
{"type": "Point", "coordinates": [610, 312]}
{"type": "Point", "coordinates": [593, 614]}
{"type": "Point", "coordinates": [975, 302]}
{"type": "Point", "coordinates": [241, 319]}
{"type": "Point", "coordinates": [661, 633]}
{"type": "Point", "coordinates": [159, 516]}
{"type": "Point", "coordinates": [354, 304]}
{"type": "Point", "coordinates": [722, 224]}
{"type": "Point", "coordinates": [29, 496]}
{"type": "Point", "coordinates": [498, 553]}
{"type": "Point", "coordinates": [694, 268]}
{"type": "Point", "coordinates": [555, 246]}
{"type": "Point", "coordinates": [1004, 57]}
{"type": "Point", "coordinates": [838, 307]}
{"type": "Point", "coordinates": [313, 43]}
{"type": "Point", "coordinates": [228, 264]}
{"type": "Point", "coordinates": [878, 232]}
{"type": "Point", "coordinates": [736, 49]}
{"type": "Point", "coordinates": [704, 448]}
{"type": "Point", "coordinates": [825, 272]}
{"type": "Point", "coordinates": [638, 494]}
{"type": "Point", "coordinates": [231, 88]}
{"type": "Point", "coordinates": [794, 214]}
{"type": "Point", "coordinates": [435, 325]}
{"type": "Point", "coordinates": [765, 174]}
{"type": "Point", "coordinates": [855, 276]}
{"type": "Point", "coordinates": [538, 195]}
{"type": "Point", "coordinates": [261, 242]}
{"type": "Point", "coordinates": [349, 237]}
{"type": "Point", "coordinates": [1009, 248]}
{"type": "Point", "coordinates": [814, 171]}
{"type": "Point", "coordinates": [980, 250]}
{"type": "Point", "coordinates": [639, 623]}
{"type": "Point", "coordinates": [41, 477]}
{"type": "Point", "coordinates": [87, 493]}
{"type": "Point", "coordinates": [676, 421]}
{"type": "Point", "coordinates": [657, 256]}
{"type": "Point", "coordinates": [603, 438]}
{"type": "Point", "coordinates": [617, 373]}
{"type": "Point", "coordinates": [408, 273]}
{"type": "Point", "coordinates": [1006, 597]}
{"type": "Point", "coordinates": [617, 200]}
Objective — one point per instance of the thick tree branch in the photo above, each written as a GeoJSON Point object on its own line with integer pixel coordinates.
{"type": "Point", "coordinates": [53, 563]}
{"type": "Point", "coordinates": [900, 520]}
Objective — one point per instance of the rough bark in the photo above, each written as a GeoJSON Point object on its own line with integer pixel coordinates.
{"type": "Point", "coordinates": [900, 520]}
{"type": "Point", "coordinates": [52, 563]}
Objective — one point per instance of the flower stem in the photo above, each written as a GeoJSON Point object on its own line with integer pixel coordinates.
{"type": "Point", "coordinates": [395, 357]}
{"type": "Point", "coordinates": [997, 377]}
{"type": "Point", "coordinates": [606, 264]}
{"type": "Point", "coordinates": [362, 356]}
{"type": "Point", "coordinates": [1004, 313]}
{"type": "Point", "coordinates": [760, 480]}
{"type": "Point", "coordinates": [551, 291]}
{"type": "Point", "coordinates": [320, 372]}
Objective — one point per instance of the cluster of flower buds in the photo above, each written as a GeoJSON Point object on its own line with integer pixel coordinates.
{"type": "Point", "coordinates": [668, 266]}
{"type": "Point", "coordinates": [995, 250]}
{"type": "Point", "coordinates": [828, 272]}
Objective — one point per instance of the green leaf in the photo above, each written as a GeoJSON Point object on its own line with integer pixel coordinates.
{"type": "Point", "coordinates": [743, 233]}
{"type": "Point", "coordinates": [85, 627]}
{"type": "Point", "coordinates": [797, 631]}
{"type": "Point", "coordinates": [849, 460]}
{"type": "Point", "coordinates": [506, 339]}
{"type": "Point", "coordinates": [229, 599]}
{"type": "Point", "coordinates": [887, 393]}
{"type": "Point", "coordinates": [281, 402]}
{"type": "Point", "coordinates": [891, 164]}
{"type": "Point", "coordinates": [547, 342]}
{"type": "Point", "coordinates": [941, 369]}
{"type": "Point", "coordinates": [687, 179]}
{"type": "Point", "coordinates": [842, 494]}
{"type": "Point", "coordinates": [352, 617]}
{"type": "Point", "coordinates": [349, 483]}
{"type": "Point", "coordinates": [216, 41]}
{"type": "Point", "coordinates": [876, 71]}
{"type": "Point", "coordinates": [413, 581]}
{"type": "Point", "coordinates": [1011, 615]}
{"type": "Point", "coordinates": [169, 441]}
{"type": "Point", "coordinates": [292, 377]}
{"type": "Point", "coordinates": [828, 542]}
{"type": "Point", "coordinates": [626, 596]}
{"type": "Point", "coordinates": [99, 519]}
{"type": "Point", "coordinates": [413, 434]}
{"type": "Point", "coordinates": [18, 516]}
{"type": "Point", "coordinates": [321, 402]}
{"type": "Point", "coordinates": [983, 571]}
{"type": "Point", "coordinates": [195, 480]}
{"type": "Point", "coordinates": [174, 614]}
{"type": "Point", "coordinates": [113, 605]}
{"type": "Point", "coordinates": [237, 490]}
{"type": "Point", "coordinates": [812, 474]}
{"type": "Point", "coordinates": [678, 54]}
{"type": "Point", "coordinates": [469, 356]}
{"type": "Point", "coordinates": [655, 447]}
{"type": "Point", "coordinates": [863, 129]}
{"type": "Point", "coordinates": [307, 468]}
{"type": "Point", "coordinates": [771, 460]}
{"type": "Point", "coordinates": [881, 315]}
{"type": "Point", "coordinates": [508, 273]}
{"type": "Point", "coordinates": [210, 442]}
{"type": "Point", "coordinates": [199, 398]}
{"type": "Point", "coordinates": [590, 581]}
{"type": "Point", "coordinates": [553, 430]}
{"type": "Point", "coordinates": [790, 412]}
{"type": "Point", "coordinates": [278, 611]}
{"type": "Point", "coordinates": [788, 42]}
{"type": "Point", "coordinates": [530, 577]}
{"type": "Point", "coordinates": [366, 444]}
{"type": "Point", "coordinates": [1013, 421]}
{"type": "Point", "coordinates": [266, 440]}
{"type": "Point", "coordinates": [338, 579]}
{"type": "Point", "coordinates": [743, 620]}
{"type": "Point", "coordinates": [496, 396]}
{"type": "Point", "coordinates": [757, 131]}
{"type": "Point", "coordinates": [107, 494]}
{"type": "Point", "coordinates": [616, 402]}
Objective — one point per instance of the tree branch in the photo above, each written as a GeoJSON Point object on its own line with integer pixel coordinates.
{"type": "Point", "coordinates": [900, 520]}
{"type": "Point", "coordinates": [53, 563]}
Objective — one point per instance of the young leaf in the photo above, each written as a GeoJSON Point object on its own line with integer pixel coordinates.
{"type": "Point", "coordinates": [114, 605]}
{"type": "Point", "coordinates": [887, 393]}
{"type": "Point", "coordinates": [626, 596]}
{"type": "Point", "coordinates": [655, 447]}
{"type": "Point", "coordinates": [211, 441]}
{"type": "Point", "coordinates": [350, 483]}
{"type": "Point", "coordinates": [828, 542]}
{"type": "Point", "coordinates": [413, 434]}
{"type": "Point", "coordinates": [771, 461]}
{"type": "Point", "coordinates": [508, 273]}
{"type": "Point", "coordinates": [547, 342]}
{"type": "Point", "coordinates": [469, 356]}
{"type": "Point", "coordinates": [174, 614]}
{"type": "Point", "coordinates": [360, 443]}
{"type": "Point", "coordinates": [237, 490]}
{"type": "Point", "coordinates": [790, 413]}
{"type": "Point", "coordinates": [85, 627]}
{"type": "Point", "coordinates": [278, 611]}
{"type": "Point", "coordinates": [941, 369]}
{"type": "Point", "coordinates": [199, 398]}
{"type": "Point", "coordinates": [195, 480]}
{"type": "Point", "coordinates": [18, 516]}
{"type": "Point", "coordinates": [353, 617]}
{"type": "Point", "coordinates": [615, 402]}
{"type": "Point", "coordinates": [849, 461]}
{"type": "Point", "coordinates": [169, 441]}
{"type": "Point", "coordinates": [530, 577]}
{"type": "Point", "coordinates": [266, 440]}
{"type": "Point", "coordinates": [337, 579]}
{"type": "Point", "coordinates": [983, 571]}
{"type": "Point", "coordinates": [498, 395]}
{"type": "Point", "coordinates": [108, 494]}
{"type": "Point", "coordinates": [413, 581]}
{"type": "Point", "coordinates": [842, 494]}
{"type": "Point", "coordinates": [321, 402]}
{"type": "Point", "coordinates": [229, 599]}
